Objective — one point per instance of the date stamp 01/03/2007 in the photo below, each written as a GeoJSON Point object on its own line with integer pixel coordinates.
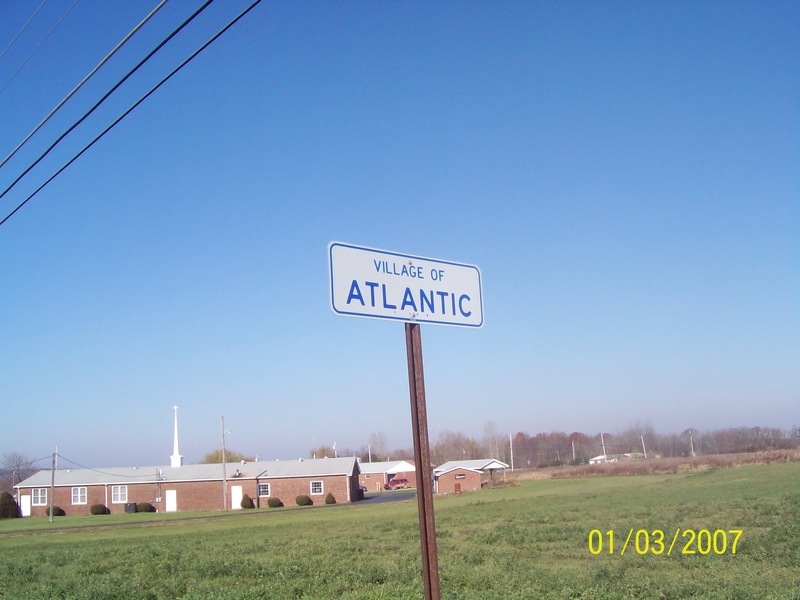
{"type": "Point", "coordinates": [658, 542]}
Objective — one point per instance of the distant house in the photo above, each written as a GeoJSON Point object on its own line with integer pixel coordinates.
{"type": "Point", "coordinates": [189, 487]}
{"type": "Point", "coordinates": [456, 476]}
{"type": "Point", "coordinates": [375, 475]}
{"type": "Point", "coordinates": [457, 480]}
{"type": "Point", "coordinates": [603, 458]}
{"type": "Point", "coordinates": [612, 458]}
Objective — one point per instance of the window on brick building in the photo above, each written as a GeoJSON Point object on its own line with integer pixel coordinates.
{"type": "Point", "coordinates": [316, 488]}
{"type": "Point", "coordinates": [39, 497]}
{"type": "Point", "coordinates": [79, 495]}
{"type": "Point", "coordinates": [119, 494]}
{"type": "Point", "coordinates": [263, 490]}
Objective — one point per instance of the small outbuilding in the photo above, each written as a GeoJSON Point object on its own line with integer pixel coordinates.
{"type": "Point", "coordinates": [458, 480]}
{"type": "Point", "coordinates": [456, 476]}
{"type": "Point", "coordinates": [374, 476]}
{"type": "Point", "coordinates": [602, 458]}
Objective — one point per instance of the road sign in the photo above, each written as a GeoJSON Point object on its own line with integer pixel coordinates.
{"type": "Point", "coordinates": [380, 284]}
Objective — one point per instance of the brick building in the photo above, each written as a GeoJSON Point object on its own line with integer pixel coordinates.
{"type": "Point", "coordinates": [189, 487]}
{"type": "Point", "coordinates": [458, 476]}
{"type": "Point", "coordinates": [375, 475]}
{"type": "Point", "coordinates": [458, 480]}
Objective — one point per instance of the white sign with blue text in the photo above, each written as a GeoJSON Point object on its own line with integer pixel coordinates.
{"type": "Point", "coordinates": [379, 284]}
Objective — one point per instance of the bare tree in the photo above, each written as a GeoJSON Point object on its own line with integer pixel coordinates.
{"type": "Point", "coordinates": [322, 452]}
{"type": "Point", "coordinates": [490, 439]}
{"type": "Point", "coordinates": [15, 468]}
{"type": "Point", "coordinates": [215, 457]}
{"type": "Point", "coordinates": [455, 446]}
{"type": "Point", "coordinates": [378, 449]}
{"type": "Point", "coordinates": [580, 447]}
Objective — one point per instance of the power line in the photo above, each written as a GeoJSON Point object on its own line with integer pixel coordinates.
{"type": "Point", "coordinates": [26, 465]}
{"type": "Point", "coordinates": [107, 94]}
{"type": "Point", "coordinates": [72, 462]}
{"type": "Point", "coordinates": [39, 45]}
{"type": "Point", "coordinates": [24, 27]}
{"type": "Point", "coordinates": [134, 106]}
{"type": "Point", "coordinates": [85, 79]}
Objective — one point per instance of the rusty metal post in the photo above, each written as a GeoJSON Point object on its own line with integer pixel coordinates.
{"type": "Point", "coordinates": [422, 460]}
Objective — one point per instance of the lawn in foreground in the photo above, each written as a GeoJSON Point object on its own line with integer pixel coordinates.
{"type": "Point", "coordinates": [529, 541]}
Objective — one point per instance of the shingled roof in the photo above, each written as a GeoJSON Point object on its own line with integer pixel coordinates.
{"type": "Point", "coordinates": [206, 472]}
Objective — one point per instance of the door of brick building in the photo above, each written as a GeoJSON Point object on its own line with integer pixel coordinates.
{"type": "Point", "coordinates": [236, 497]}
{"type": "Point", "coordinates": [171, 501]}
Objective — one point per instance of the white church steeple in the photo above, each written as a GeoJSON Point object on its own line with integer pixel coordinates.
{"type": "Point", "coordinates": [176, 460]}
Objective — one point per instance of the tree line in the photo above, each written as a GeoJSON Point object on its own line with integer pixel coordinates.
{"type": "Point", "coordinates": [560, 448]}
{"type": "Point", "coordinates": [529, 451]}
{"type": "Point", "coordinates": [557, 448]}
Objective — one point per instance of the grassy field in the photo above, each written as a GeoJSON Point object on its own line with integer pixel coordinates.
{"type": "Point", "coordinates": [526, 541]}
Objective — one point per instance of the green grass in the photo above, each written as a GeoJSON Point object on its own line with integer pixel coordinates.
{"type": "Point", "coordinates": [526, 542]}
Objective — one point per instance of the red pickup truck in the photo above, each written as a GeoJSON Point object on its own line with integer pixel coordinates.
{"type": "Point", "coordinates": [396, 484]}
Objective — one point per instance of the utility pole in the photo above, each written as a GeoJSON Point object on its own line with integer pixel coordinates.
{"type": "Point", "coordinates": [511, 448]}
{"type": "Point", "coordinates": [52, 484]}
{"type": "Point", "coordinates": [643, 448]}
{"type": "Point", "coordinates": [13, 483]}
{"type": "Point", "coordinates": [224, 471]}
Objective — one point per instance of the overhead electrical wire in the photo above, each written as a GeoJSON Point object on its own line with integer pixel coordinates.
{"type": "Point", "coordinates": [35, 50]}
{"type": "Point", "coordinates": [72, 462]}
{"type": "Point", "coordinates": [26, 465]}
{"type": "Point", "coordinates": [107, 94]}
{"type": "Point", "coordinates": [85, 79]}
{"type": "Point", "coordinates": [134, 106]}
{"type": "Point", "coordinates": [22, 30]}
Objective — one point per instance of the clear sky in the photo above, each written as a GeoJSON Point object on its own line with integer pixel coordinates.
{"type": "Point", "coordinates": [626, 175]}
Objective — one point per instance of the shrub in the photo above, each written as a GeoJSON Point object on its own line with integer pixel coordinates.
{"type": "Point", "coordinates": [99, 509]}
{"type": "Point", "coordinates": [145, 507]}
{"type": "Point", "coordinates": [57, 511]}
{"type": "Point", "coordinates": [303, 500]}
{"type": "Point", "coordinates": [9, 509]}
{"type": "Point", "coordinates": [329, 499]}
{"type": "Point", "coordinates": [247, 502]}
{"type": "Point", "coordinates": [274, 503]}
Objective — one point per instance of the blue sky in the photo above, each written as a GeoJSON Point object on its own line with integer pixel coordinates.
{"type": "Point", "coordinates": [624, 174]}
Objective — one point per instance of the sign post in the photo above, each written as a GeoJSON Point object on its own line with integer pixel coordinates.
{"type": "Point", "coordinates": [422, 462]}
{"type": "Point", "coordinates": [378, 284]}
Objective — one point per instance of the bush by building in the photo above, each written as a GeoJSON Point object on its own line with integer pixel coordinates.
{"type": "Point", "coordinates": [145, 507]}
{"type": "Point", "coordinates": [9, 509]}
{"type": "Point", "coordinates": [329, 499]}
{"type": "Point", "coordinates": [247, 502]}
{"type": "Point", "coordinates": [274, 503]}
{"type": "Point", "coordinates": [99, 509]}
{"type": "Point", "coordinates": [303, 500]}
